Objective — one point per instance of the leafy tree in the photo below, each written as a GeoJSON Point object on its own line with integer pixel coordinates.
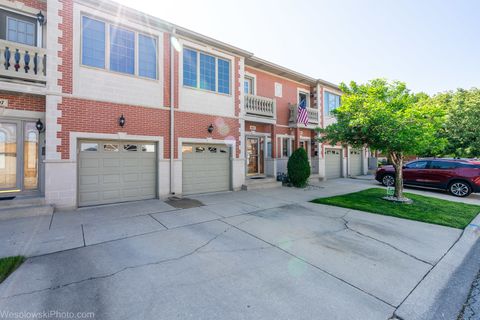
{"type": "Point", "coordinates": [387, 116]}
{"type": "Point", "coordinates": [462, 129]}
{"type": "Point", "coordinates": [298, 168]}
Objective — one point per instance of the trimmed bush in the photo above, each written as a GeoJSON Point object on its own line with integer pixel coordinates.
{"type": "Point", "coordinates": [298, 168]}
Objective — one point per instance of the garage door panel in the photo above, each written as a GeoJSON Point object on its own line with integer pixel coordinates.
{"type": "Point", "coordinates": [355, 162]}
{"type": "Point", "coordinates": [205, 171]}
{"type": "Point", "coordinates": [333, 163]}
{"type": "Point", "coordinates": [111, 195]}
{"type": "Point", "coordinates": [88, 180]}
{"type": "Point", "coordinates": [109, 162]}
{"type": "Point", "coordinates": [90, 163]}
{"type": "Point", "coordinates": [112, 174]}
{"type": "Point", "coordinates": [110, 178]}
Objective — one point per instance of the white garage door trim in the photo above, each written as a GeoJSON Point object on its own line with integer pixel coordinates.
{"type": "Point", "coordinates": [333, 172]}
{"type": "Point", "coordinates": [355, 162]}
{"type": "Point", "coordinates": [206, 167]}
{"type": "Point", "coordinates": [113, 171]}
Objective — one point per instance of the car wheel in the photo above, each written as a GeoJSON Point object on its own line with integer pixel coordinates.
{"type": "Point", "coordinates": [388, 180]}
{"type": "Point", "coordinates": [460, 189]}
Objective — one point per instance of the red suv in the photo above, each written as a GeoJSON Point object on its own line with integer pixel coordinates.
{"type": "Point", "coordinates": [459, 177]}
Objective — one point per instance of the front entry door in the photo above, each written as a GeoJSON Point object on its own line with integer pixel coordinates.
{"type": "Point", "coordinates": [18, 156]}
{"type": "Point", "coordinates": [255, 156]}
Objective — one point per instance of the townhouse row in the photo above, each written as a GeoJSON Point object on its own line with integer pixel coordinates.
{"type": "Point", "coordinates": [101, 104]}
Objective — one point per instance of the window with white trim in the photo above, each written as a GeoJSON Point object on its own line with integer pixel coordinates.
{"type": "Point", "coordinates": [249, 85]}
{"type": "Point", "coordinates": [130, 52]}
{"type": "Point", "coordinates": [332, 102]}
{"type": "Point", "coordinates": [302, 95]}
{"type": "Point", "coordinates": [20, 31]}
{"type": "Point", "coordinates": [204, 71]}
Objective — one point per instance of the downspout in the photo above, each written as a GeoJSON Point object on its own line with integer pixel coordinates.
{"type": "Point", "coordinates": [172, 112]}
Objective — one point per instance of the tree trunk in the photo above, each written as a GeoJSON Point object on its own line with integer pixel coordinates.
{"type": "Point", "coordinates": [397, 159]}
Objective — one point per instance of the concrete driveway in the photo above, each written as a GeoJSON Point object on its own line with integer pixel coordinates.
{"type": "Point", "coordinates": [264, 254]}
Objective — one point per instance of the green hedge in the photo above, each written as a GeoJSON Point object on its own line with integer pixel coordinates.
{"type": "Point", "coordinates": [298, 168]}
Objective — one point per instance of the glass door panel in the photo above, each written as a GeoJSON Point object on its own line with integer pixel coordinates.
{"type": "Point", "coordinates": [252, 156]}
{"type": "Point", "coordinates": [8, 155]}
{"type": "Point", "coordinates": [30, 160]}
{"type": "Point", "coordinates": [261, 156]}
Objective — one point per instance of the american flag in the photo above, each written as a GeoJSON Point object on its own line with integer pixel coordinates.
{"type": "Point", "coordinates": [302, 114]}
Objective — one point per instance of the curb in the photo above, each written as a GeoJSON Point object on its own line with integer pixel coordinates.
{"type": "Point", "coordinates": [444, 290]}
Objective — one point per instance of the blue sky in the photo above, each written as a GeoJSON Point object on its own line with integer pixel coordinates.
{"type": "Point", "coordinates": [431, 45]}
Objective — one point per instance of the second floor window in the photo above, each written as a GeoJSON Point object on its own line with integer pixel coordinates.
{"type": "Point", "coordinates": [248, 85]}
{"type": "Point", "coordinates": [205, 71]}
{"type": "Point", "coordinates": [20, 31]}
{"type": "Point", "coordinates": [124, 48]}
{"type": "Point", "coordinates": [303, 96]}
{"type": "Point", "coordinates": [332, 102]}
{"type": "Point", "coordinates": [93, 43]}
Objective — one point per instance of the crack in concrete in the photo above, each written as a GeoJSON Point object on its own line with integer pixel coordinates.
{"type": "Point", "coordinates": [196, 250]}
{"type": "Point", "coordinates": [312, 265]}
{"type": "Point", "coordinates": [346, 222]}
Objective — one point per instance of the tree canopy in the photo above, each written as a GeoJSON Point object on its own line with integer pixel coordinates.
{"type": "Point", "coordinates": [462, 127]}
{"type": "Point", "coordinates": [387, 116]}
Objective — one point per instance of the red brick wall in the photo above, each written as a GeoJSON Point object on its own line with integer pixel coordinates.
{"type": "Point", "coordinates": [193, 125]}
{"type": "Point", "coordinates": [260, 127]}
{"type": "Point", "coordinates": [22, 101]}
{"type": "Point", "coordinates": [166, 72]}
{"type": "Point", "coordinates": [66, 40]}
{"type": "Point", "coordinates": [37, 4]}
{"type": "Point", "coordinates": [102, 117]}
{"type": "Point", "coordinates": [266, 88]}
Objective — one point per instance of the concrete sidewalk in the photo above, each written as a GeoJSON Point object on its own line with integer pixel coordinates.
{"type": "Point", "coordinates": [265, 254]}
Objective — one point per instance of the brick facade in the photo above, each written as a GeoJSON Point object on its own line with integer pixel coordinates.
{"type": "Point", "coordinates": [23, 101]}
{"type": "Point", "coordinates": [80, 115]}
{"type": "Point", "coordinates": [66, 42]}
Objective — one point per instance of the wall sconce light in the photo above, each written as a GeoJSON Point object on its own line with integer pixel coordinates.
{"type": "Point", "coordinates": [40, 18]}
{"type": "Point", "coordinates": [39, 125]}
{"type": "Point", "coordinates": [121, 121]}
{"type": "Point", "coordinates": [210, 128]}
{"type": "Point", "coordinates": [312, 95]}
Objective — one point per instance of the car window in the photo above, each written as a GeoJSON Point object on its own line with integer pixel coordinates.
{"type": "Point", "coordinates": [417, 165]}
{"type": "Point", "coordinates": [445, 165]}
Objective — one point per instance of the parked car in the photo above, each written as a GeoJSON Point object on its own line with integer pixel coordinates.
{"type": "Point", "coordinates": [459, 177]}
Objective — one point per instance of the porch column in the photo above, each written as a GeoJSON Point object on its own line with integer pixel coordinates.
{"type": "Point", "coordinates": [271, 163]}
{"type": "Point", "coordinates": [297, 139]}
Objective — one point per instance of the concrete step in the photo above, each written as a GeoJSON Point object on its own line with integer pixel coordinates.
{"type": "Point", "coordinates": [22, 201]}
{"type": "Point", "coordinates": [26, 211]}
{"type": "Point", "coordinates": [255, 184]}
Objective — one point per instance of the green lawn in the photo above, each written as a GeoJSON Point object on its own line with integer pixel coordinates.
{"type": "Point", "coordinates": [8, 265]}
{"type": "Point", "coordinates": [426, 209]}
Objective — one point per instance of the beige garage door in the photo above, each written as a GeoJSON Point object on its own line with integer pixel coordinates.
{"type": "Point", "coordinates": [206, 168]}
{"type": "Point", "coordinates": [112, 171]}
{"type": "Point", "coordinates": [355, 162]}
{"type": "Point", "coordinates": [333, 163]}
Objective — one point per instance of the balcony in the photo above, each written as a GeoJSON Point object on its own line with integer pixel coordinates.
{"type": "Point", "coordinates": [260, 108]}
{"type": "Point", "coordinates": [313, 117]}
{"type": "Point", "coordinates": [22, 62]}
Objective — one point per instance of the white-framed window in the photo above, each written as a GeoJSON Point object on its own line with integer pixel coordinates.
{"type": "Point", "coordinates": [20, 31]}
{"type": "Point", "coordinates": [303, 95]}
{"type": "Point", "coordinates": [204, 71]}
{"type": "Point", "coordinates": [127, 49]}
{"type": "Point", "coordinates": [286, 146]}
{"type": "Point", "coordinates": [331, 102]}
{"type": "Point", "coordinates": [278, 90]}
{"type": "Point", "coordinates": [249, 85]}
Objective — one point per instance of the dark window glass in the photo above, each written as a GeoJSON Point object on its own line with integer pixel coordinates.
{"type": "Point", "coordinates": [417, 165]}
{"type": "Point", "coordinates": [443, 165]}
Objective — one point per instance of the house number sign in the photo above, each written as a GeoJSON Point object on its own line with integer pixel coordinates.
{"type": "Point", "coordinates": [3, 103]}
